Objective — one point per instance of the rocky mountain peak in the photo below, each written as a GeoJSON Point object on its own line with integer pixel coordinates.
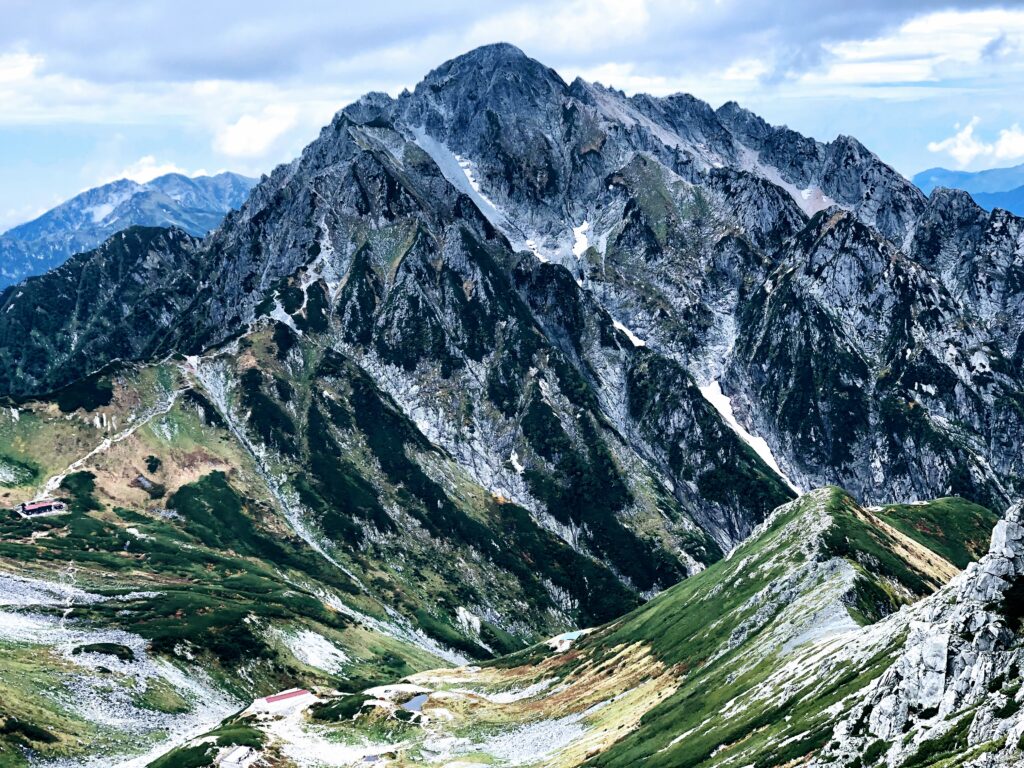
{"type": "Point", "coordinates": [493, 75]}
{"type": "Point", "coordinates": [733, 253]}
{"type": "Point", "coordinates": [748, 127]}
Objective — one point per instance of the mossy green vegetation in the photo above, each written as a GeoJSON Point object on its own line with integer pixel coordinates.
{"type": "Point", "coordinates": [29, 718]}
{"type": "Point", "coordinates": [81, 487]}
{"type": "Point", "coordinates": [956, 529]}
{"type": "Point", "coordinates": [341, 708]}
{"type": "Point", "coordinates": [222, 580]}
{"type": "Point", "coordinates": [951, 744]}
{"type": "Point", "coordinates": [721, 703]}
{"type": "Point", "coordinates": [271, 422]}
{"type": "Point", "coordinates": [198, 756]}
{"type": "Point", "coordinates": [88, 394]}
{"type": "Point", "coordinates": [850, 537]}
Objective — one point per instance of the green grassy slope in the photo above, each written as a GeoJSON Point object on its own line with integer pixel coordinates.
{"type": "Point", "coordinates": [750, 662]}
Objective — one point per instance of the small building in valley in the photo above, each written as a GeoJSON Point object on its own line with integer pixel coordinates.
{"type": "Point", "coordinates": [285, 701]}
{"type": "Point", "coordinates": [41, 507]}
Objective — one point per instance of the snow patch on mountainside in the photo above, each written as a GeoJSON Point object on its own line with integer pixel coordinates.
{"type": "Point", "coordinates": [713, 394]}
{"type": "Point", "coordinates": [636, 340]}
{"type": "Point", "coordinates": [811, 199]}
{"type": "Point", "coordinates": [580, 241]}
{"type": "Point", "coordinates": [315, 650]}
{"type": "Point", "coordinates": [99, 212]}
{"type": "Point", "coordinates": [617, 109]}
{"type": "Point", "coordinates": [306, 744]}
{"type": "Point", "coordinates": [532, 247]}
{"type": "Point", "coordinates": [459, 171]}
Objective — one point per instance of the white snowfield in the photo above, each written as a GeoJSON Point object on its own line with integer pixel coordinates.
{"type": "Point", "coordinates": [810, 200]}
{"type": "Point", "coordinates": [307, 745]}
{"type": "Point", "coordinates": [459, 171]}
{"type": "Point", "coordinates": [713, 394]}
{"type": "Point", "coordinates": [581, 243]}
{"type": "Point", "coordinates": [636, 340]}
{"type": "Point", "coordinates": [389, 692]}
{"type": "Point", "coordinates": [314, 649]}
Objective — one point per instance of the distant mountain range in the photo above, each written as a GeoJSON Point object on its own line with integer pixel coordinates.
{"type": "Point", "coordinates": [991, 189]}
{"type": "Point", "coordinates": [195, 205]}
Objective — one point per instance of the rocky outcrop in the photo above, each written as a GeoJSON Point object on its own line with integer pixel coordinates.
{"type": "Point", "coordinates": [955, 685]}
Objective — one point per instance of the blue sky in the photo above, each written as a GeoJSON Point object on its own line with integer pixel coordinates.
{"type": "Point", "coordinates": [92, 90]}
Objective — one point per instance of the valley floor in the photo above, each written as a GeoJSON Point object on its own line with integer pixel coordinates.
{"type": "Point", "coordinates": [775, 656]}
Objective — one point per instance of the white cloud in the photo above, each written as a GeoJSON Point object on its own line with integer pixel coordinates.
{"type": "Point", "coordinates": [18, 67]}
{"type": "Point", "coordinates": [253, 135]}
{"type": "Point", "coordinates": [965, 147]}
{"type": "Point", "coordinates": [148, 168]}
{"type": "Point", "coordinates": [926, 49]}
{"type": "Point", "coordinates": [1010, 145]}
{"type": "Point", "coordinates": [256, 121]}
{"type": "Point", "coordinates": [746, 70]}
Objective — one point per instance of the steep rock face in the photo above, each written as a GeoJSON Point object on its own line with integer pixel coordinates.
{"type": "Point", "coordinates": [196, 205]}
{"type": "Point", "coordinates": [979, 257]}
{"type": "Point", "coordinates": [877, 337]}
{"type": "Point", "coordinates": [531, 269]}
{"type": "Point", "coordinates": [654, 403]}
{"type": "Point", "coordinates": [955, 687]}
{"type": "Point", "coordinates": [843, 171]}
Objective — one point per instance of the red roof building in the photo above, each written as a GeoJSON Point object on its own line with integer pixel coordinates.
{"type": "Point", "coordinates": [287, 695]}
{"type": "Point", "coordinates": [41, 507]}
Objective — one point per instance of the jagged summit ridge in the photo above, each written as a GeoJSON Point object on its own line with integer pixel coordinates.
{"type": "Point", "coordinates": [501, 236]}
